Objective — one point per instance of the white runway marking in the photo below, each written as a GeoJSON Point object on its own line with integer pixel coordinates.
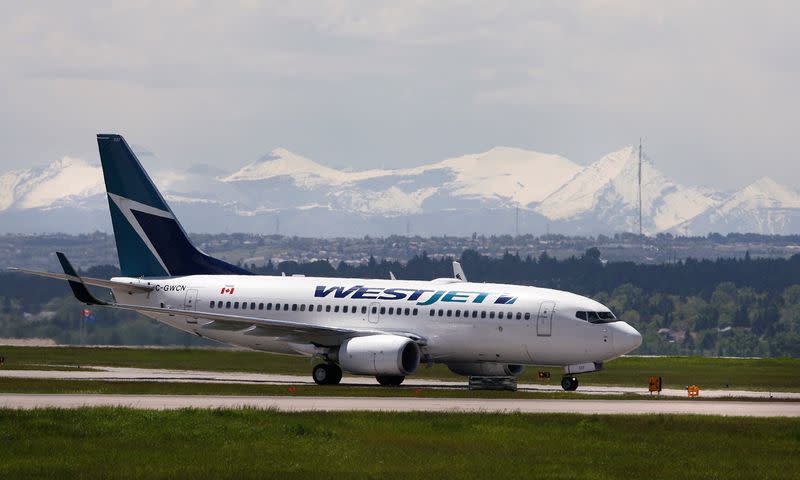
{"type": "Point", "coordinates": [376, 404]}
{"type": "Point", "coordinates": [191, 376]}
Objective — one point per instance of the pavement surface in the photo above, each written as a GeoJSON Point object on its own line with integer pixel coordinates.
{"type": "Point", "coordinates": [374, 404]}
{"type": "Point", "coordinates": [192, 376]}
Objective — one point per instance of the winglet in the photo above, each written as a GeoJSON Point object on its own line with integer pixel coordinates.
{"type": "Point", "coordinates": [458, 272]}
{"type": "Point", "coordinates": [76, 283]}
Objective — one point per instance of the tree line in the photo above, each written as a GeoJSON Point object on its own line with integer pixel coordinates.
{"type": "Point", "coordinates": [732, 307]}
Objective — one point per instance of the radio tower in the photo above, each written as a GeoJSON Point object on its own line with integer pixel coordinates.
{"type": "Point", "coordinates": [640, 187]}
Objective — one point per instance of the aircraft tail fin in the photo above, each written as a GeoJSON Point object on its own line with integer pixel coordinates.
{"type": "Point", "coordinates": [150, 240]}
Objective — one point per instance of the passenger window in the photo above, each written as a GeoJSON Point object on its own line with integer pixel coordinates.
{"type": "Point", "coordinates": [252, 305]}
{"type": "Point", "coordinates": [374, 309]}
{"type": "Point", "coordinates": [474, 314]}
{"type": "Point", "coordinates": [363, 310]}
{"type": "Point", "coordinates": [336, 309]}
{"type": "Point", "coordinates": [286, 307]}
{"type": "Point", "coordinates": [235, 304]}
{"type": "Point", "coordinates": [491, 314]}
{"type": "Point", "coordinates": [527, 315]}
{"type": "Point", "coordinates": [449, 313]}
{"type": "Point", "coordinates": [433, 312]}
{"type": "Point", "coordinates": [441, 312]}
{"type": "Point", "coordinates": [219, 304]}
{"type": "Point", "coordinates": [294, 307]}
{"type": "Point", "coordinates": [303, 307]}
{"type": "Point", "coordinates": [244, 305]}
{"type": "Point", "coordinates": [311, 308]}
{"type": "Point", "coordinates": [344, 309]}
{"type": "Point", "coordinates": [327, 308]}
{"type": "Point", "coordinates": [458, 313]}
{"type": "Point", "coordinates": [277, 306]}
{"type": "Point", "coordinates": [519, 316]}
{"type": "Point", "coordinates": [319, 308]}
{"type": "Point", "coordinates": [211, 305]}
{"type": "Point", "coordinates": [408, 311]}
{"type": "Point", "coordinates": [261, 306]}
{"type": "Point", "coordinates": [500, 315]}
{"type": "Point", "coordinates": [483, 314]}
{"type": "Point", "coordinates": [391, 310]}
{"type": "Point", "coordinates": [269, 306]}
{"type": "Point", "coordinates": [414, 312]}
{"type": "Point", "coordinates": [227, 304]}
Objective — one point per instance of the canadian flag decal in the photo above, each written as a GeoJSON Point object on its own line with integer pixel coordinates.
{"type": "Point", "coordinates": [228, 290]}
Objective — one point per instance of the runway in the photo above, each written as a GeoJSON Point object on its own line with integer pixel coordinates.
{"type": "Point", "coordinates": [194, 376]}
{"type": "Point", "coordinates": [382, 404]}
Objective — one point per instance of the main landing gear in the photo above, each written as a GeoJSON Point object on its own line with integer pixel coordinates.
{"type": "Point", "coordinates": [327, 374]}
{"type": "Point", "coordinates": [390, 380]}
{"type": "Point", "coordinates": [569, 384]}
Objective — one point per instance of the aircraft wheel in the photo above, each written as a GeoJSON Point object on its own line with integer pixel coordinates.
{"type": "Point", "coordinates": [335, 374]}
{"type": "Point", "coordinates": [327, 374]}
{"type": "Point", "coordinates": [569, 384]}
{"type": "Point", "coordinates": [390, 380]}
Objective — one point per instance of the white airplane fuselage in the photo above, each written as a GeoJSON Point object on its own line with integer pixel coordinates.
{"type": "Point", "coordinates": [460, 322]}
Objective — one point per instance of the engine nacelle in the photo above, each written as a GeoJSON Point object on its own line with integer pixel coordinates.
{"type": "Point", "coordinates": [379, 355]}
{"type": "Point", "coordinates": [485, 369]}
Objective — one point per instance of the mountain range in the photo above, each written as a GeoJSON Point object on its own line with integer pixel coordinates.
{"type": "Point", "coordinates": [504, 190]}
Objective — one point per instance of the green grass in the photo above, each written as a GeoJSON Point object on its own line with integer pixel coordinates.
{"type": "Point", "coordinates": [678, 372]}
{"type": "Point", "coordinates": [123, 443]}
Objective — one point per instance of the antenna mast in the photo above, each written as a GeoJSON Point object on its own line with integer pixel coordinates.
{"type": "Point", "coordinates": [640, 187]}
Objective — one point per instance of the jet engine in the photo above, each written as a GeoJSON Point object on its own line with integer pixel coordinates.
{"type": "Point", "coordinates": [379, 355]}
{"type": "Point", "coordinates": [484, 369]}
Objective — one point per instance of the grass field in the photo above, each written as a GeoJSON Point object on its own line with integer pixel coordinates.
{"type": "Point", "coordinates": [122, 443]}
{"type": "Point", "coordinates": [677, 372]}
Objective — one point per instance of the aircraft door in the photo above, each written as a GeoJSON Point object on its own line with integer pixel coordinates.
{"type": "Point", "coordinates": [374, 312]}
{"type": "Point", "coordinates": [191, 299]}
{"type": "Point", "coordinates": [544, 321]}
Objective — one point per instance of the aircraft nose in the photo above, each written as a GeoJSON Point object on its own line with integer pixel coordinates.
{"type": "Point", "coordinates": [626, 338]}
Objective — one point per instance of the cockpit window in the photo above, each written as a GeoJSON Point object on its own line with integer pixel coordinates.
{"type": "Point", "coordinates": [596, 317]}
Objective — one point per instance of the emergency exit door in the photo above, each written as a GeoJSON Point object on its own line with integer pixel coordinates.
{"type": "Point", "coordinates": [544, 321]}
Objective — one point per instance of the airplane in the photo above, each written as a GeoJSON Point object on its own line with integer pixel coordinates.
{"type": "Point", "coordinates": [376, 327]}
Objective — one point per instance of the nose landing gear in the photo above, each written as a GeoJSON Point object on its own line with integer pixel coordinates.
{"type": "Point", "coordinates": [569, 384]}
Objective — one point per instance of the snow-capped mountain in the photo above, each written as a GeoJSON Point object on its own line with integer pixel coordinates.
{"type": "Point", "coordinates": [496, 191]}
{"type": "Point", "coordinates": [60, 183]}
{"type": "Point", "coordinates": [606, 192]}
{"type": "Point", "coordinates": [764, 206]}
{"type": "Point", "coordinates": [504, 175]}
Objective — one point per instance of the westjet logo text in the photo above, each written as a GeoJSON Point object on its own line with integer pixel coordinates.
{"type": "Point", "coordinates": [422, 297]}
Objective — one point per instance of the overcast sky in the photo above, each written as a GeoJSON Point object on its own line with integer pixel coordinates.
{"type": "Point", "coordinates": [712, 86]}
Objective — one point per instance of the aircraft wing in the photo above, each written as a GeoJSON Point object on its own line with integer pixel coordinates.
{"type": "Point", "coordinates": [88, 281]}
{"type": "Point", "coordinates": [285, 330]}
